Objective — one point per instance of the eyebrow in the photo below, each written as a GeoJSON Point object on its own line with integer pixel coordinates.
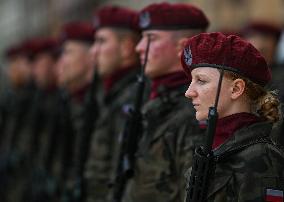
{"type": "Point", "coordinates": [201, 74]}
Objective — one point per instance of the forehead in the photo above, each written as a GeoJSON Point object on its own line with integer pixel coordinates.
{"type": "Point", "coordinates": [105, 32]}
{"type": "Point", "coordinates": [75, 44]}
{"type": "Point", "coordinates": [206, 71]}
{"type": "Point", "coordinates": [159, 33]}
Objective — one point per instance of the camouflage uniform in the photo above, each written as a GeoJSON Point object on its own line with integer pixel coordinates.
{"type": "Point", "coordinates": [101, 161]}
{"type": "Point", "coordinates": [45, 130]}
{"type": "Point", "coordinates": [170, 135]}
{"type": "Point", "coordinates": [248, 164]}
{"type": "Point", "coordinates": [16, 141]}
{"type": "Point", "coordinates": [70, 152]}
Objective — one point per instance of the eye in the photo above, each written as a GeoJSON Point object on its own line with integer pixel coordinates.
{"type": "Point", "coordinates": [201, 81]}
{"type": "Point", "coordinates": [151, 36]}
{"type": "Point", "coordinates": [100, 40]}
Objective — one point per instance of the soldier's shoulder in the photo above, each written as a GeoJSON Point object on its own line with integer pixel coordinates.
{"type": "Point", "coordinates": [261, 159]}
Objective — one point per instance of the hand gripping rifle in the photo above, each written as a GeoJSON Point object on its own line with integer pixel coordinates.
{"type": "Point", "coordinates": [130, 137]}
{"type": "Point", "coordinates": [203, 160]}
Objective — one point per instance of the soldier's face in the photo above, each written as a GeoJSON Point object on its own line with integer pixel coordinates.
{"type": "Point", "coordinates": [163, 53]}
{"type": "Point", "coordinates": [43, 70]}
{"type": "Point", "coordinates": [19, 71]}
{"type": "Point", "coordinates": [202, 92]}
{"type": "Point", "coordinates": [107, 48]}
{"type": "Point", "coordinates": [75, 62]}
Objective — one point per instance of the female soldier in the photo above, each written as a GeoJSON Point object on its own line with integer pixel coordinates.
{"type": "Point", "coordinates": [249, 166]}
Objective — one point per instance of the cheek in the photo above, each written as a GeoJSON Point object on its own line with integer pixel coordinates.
{"type": "Point", "coordinates": [160, 51]}
{"type": "Point", "coordinates": [207, 95]}
{"type": "Point", "coordinates": [108, 50]}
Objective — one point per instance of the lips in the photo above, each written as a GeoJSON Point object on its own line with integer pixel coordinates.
{"type": "Point", "coordinates": [195, 105]}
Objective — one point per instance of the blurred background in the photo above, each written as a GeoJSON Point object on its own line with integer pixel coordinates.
{"type": "Point", "coordinates": [21, 19]}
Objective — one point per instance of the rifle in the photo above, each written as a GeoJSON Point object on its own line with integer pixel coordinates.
{"type": "Point", "coordinates": [130, 136]}
{"type": "Point", "coordinates": [203, 160]}
{"type": "Point", "coordinates": [90, 113]}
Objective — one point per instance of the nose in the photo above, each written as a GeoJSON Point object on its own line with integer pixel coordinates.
{"type": "Point", "coordinates": [140, 47]}
{"type": "Point", "coordinates": [93, 53]}
{"type": "Point", "coordinates": [190, 92]}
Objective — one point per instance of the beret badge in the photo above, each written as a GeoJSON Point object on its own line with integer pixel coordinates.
{"type": "Point", "coordinates": [96, 21]}
{"type": "Point", "coordinates": [144, 19]}
{"type": "Point", "coordinates": [187, 56]}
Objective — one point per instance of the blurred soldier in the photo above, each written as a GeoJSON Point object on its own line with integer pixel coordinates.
{"type": "Point", "coordinates": [117, 64]}
{"type": "Point", "coordinates": [16, 109]}
{"type": "Point", "coordinates": [265, 37]}
{"type": "Point", "coordinates": [170, 131]}
{"type": "Point", "coordinates": [43, 126]}
{"type": "Point", "coordinates": [75, 72]}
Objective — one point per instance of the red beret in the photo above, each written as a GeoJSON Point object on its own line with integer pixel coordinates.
{"type": "Point", "coordinates": [262, 28]}
{"type": "Point", "coordinates": [81, 31]}
{"type": "Point", "coordinates": [14, 51]}
{"type": "Point", "coordinates": [117, 17]}
{"type": "Point", "coordinates": [21, 49]}
{"type": "Point", "coordinates": [228, 52]}
{"type": "Point", "coordinates": [166, 16]}
{"type": "Point", "coordinates": [43, 45]}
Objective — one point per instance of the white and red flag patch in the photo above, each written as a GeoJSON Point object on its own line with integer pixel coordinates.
{"type": "Point", "coordinates": [274, 195]}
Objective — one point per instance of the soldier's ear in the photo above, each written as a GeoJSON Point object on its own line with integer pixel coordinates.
{"type": "Point", "coordinates": [238, 88]}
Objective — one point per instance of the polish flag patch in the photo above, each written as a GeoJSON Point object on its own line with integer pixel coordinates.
{"type": "Point", "coordinates": [274, 195]}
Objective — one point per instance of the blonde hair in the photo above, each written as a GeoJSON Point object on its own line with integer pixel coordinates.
{"type": "Point", "coordinates": [263, 102]}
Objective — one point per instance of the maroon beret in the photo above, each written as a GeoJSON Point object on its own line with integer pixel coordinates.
{"type": "Point", "coordinates": [262, 28]}
{"type": "Point", "coordinates": [117, 17]}
{"type": "Point", "coordinates": [15, 50]}
{"type": "Point", "coordinates": [166, 16]}
{"type": "Point", "coordinates": [22, 49]}
{"type": "Point", "coordinates": [42, 45]}
{"type": "Point", "coordinates": [81, 31]}
{"type": "Point", "coordinates": [225, 52]}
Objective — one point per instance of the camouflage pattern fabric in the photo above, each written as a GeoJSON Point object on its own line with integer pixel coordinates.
{"type": "Point", "coordinates": [248, 165]}
{"type": "Point", "coordinates": [100, 165]}
{"type": "Point", "coordinates": [170, 135]}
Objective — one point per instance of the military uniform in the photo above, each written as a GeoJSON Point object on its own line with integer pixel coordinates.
{"type": "Point", "coordinates": [247, 166]}
{"type": "Point", "coordinates": [73, 139]}
{"type": "Point", "coordinates": [101, 162]}
{"type": "Point", "coordinates": [170, 135]}
{"type": "Point", "coordinates": [45, 130]}
{"type": "Point", "coordinates": [16, 140]}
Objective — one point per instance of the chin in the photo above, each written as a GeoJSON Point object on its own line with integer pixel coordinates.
{"type": "Point", "coordinates": [201, 117]}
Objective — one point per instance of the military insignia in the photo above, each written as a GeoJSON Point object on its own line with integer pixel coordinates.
{"type": "Point", "coordinates": [187, 56]}
{"type": "Point", "coordinates": [144, 20]}
{"type": "Point", "coordinates": [96, 21]}
{"type": "Point", "coordinates": [274, 195]}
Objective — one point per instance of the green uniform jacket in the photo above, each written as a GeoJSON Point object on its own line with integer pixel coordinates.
{"type": "Point", "coordinates": [101, 162]}
{"type": "Point", "coordinates": [170, 135]}
{"type": "Point", "coordinates": [249, 165]}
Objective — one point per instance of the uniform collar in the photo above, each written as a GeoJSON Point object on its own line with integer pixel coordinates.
{"type": "Point", "coordinates": [227, 126]}
{"type": "Point", "coordinates": [251, 133]}
{"type": "Point", "coordinates": [110, 81]}
{"type": "Point", "coordinates": [167, 82]}
{"type": "Point", "coordinates": [114, 85]}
